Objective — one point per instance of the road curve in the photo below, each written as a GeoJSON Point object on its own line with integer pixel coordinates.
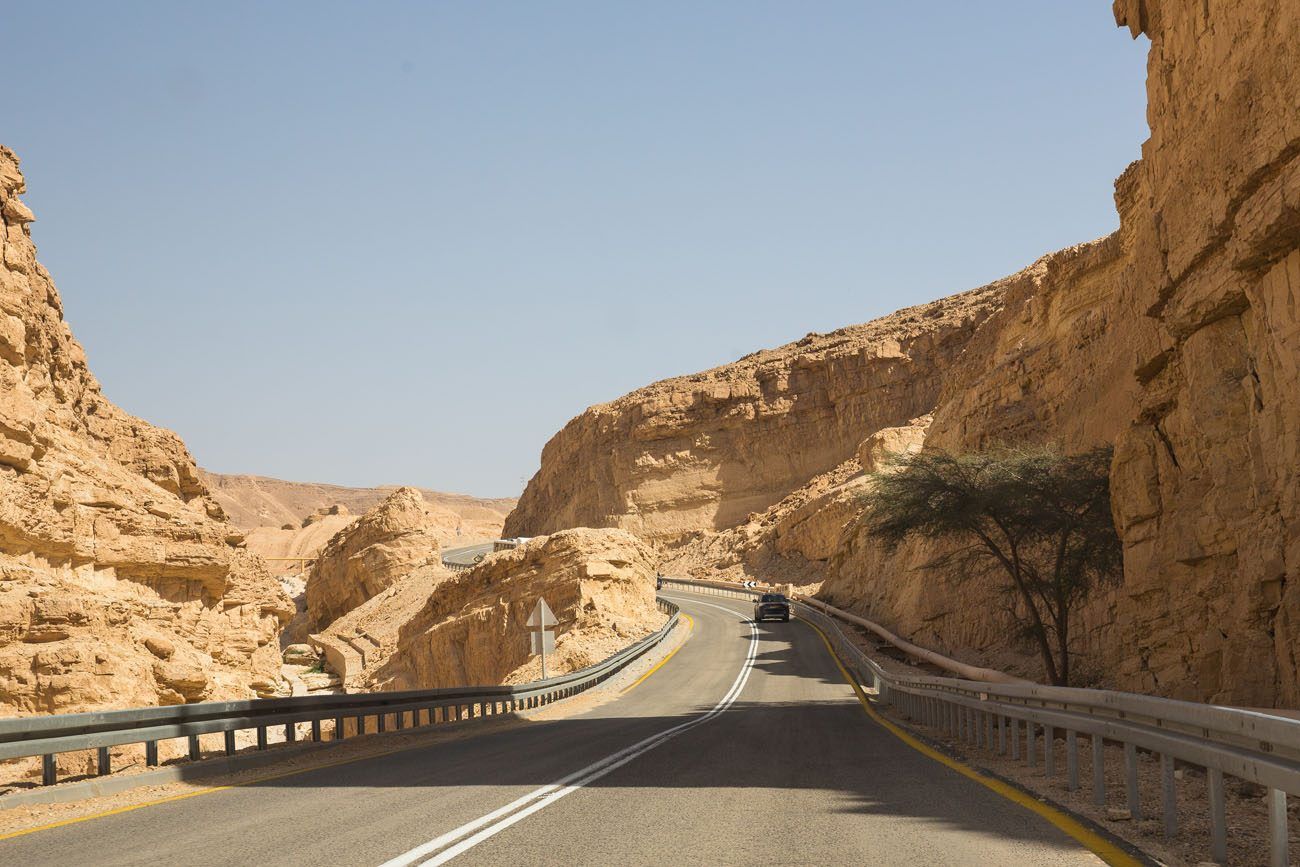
{"type": "Point", "coordinates": [748, 747]}
{"type": "Point", "coordinates": [467, 555]}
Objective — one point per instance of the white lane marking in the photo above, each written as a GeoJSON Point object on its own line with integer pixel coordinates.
{"type": "Point", "coordinates": [549, 794]}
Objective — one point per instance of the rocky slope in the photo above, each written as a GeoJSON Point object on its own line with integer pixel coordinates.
{"type": "Point", "coordinates": [121, 584]}
{"type": "Point", "coordinates": [703, 451]}
{"type": "Point", "coordinates": [1176, 340]}
{"type": "Point", "coordinates": [369, 556]}
{"type": "Point", "coordinates": [433, 629]}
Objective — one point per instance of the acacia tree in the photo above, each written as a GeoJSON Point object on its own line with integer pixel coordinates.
{"type": "Point", "coordinates": [1040, 518]}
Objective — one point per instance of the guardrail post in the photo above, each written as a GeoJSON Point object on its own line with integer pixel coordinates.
{"type": "Point", "coordinates": [1049, 750]}
{"type": "Point", "coordinates": [339, 733]}
{"type": "Point", "coordinates": [1030, 755]}
{"type": "Point", "coordinates": [1218, 816]}
{"type": "Point", "coordinates": [1015, 739]}
{"type": "Point", "coordinates": [1098, 771]}
{"type": "Point", "coordinates": [315, 731]}
{"type": "Point", "coordinates": [103, 762]}
{"type": "Point", "coordinates": [1277, 830]}
{"type": "Point", "coordinates": [151, 753]}
{"type": "Point", "coordinates": [1002, 735]}
{"type": "Point", "coordinates": [977, 723]}
{"type": "Point", "coordinates": [1071, 760]}
{"type": "Point", "coordinates": [195, 753]}
{"type": "Point", "coordinates": [1168, 796]}
{"type": "Point", "coordinates": [229, 737]}
{"type": "Point", "coordinates": [988, 730]}
{"type": "Point", "coordinates": [261, 737]}
{"type": "Point", "coordinates": [290, 732]}
{"type": "Point", "coordinates": [49, 770]}
{"type": "Point", "coordinates": [401, 719]}
{"type": "Point", "coordinates": [1131, 780]}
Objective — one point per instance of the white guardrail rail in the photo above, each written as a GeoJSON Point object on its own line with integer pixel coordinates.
{"type": "Point", "coordinates": [1025, 719]}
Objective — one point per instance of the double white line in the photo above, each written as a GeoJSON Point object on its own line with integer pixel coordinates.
{"type": "Point", "coordinates": [472, 833]}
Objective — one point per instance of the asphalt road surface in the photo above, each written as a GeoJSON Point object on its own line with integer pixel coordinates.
{"type": "Point", "coordinates": [747, 747]}
{"type": "Point", "coordinates": [467, 555]}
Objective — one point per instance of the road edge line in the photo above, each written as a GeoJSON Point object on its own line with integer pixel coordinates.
{"type": "Point", "coordinates": [660, 664]}
{"type": "Point", "coordinates": [1107, 850]}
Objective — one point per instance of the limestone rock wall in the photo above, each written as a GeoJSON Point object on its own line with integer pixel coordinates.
{"type": "Point", "coordinates": [121, 584]}
{"type": "Point", "coordinates": [435, 629]}
{"type": "Point", "coordinates": [704, 451]}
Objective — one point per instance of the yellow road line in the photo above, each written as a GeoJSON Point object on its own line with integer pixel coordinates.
{"type": "Point", "coordinates": [208, 791]}
{"type": "Point", "coordinates": [690, 627]}
{"type": "Point", "coordinates": [1097, 844]}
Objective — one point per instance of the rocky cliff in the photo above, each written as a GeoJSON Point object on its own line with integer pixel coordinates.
{"type": "Point", "coordinates": [121, 584]}
{"type": "Point", "coordinates": [369, 556]}
{"type": "Point", "coordinates": [1176, 339]}
{"type": "Point", "coordinates": [434, 629]}
{"type": "Point", "coordinates": [704, 451]}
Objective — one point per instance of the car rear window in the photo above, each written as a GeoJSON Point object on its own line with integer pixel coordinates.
{"type": "Point", "coordinates": [772, 597]}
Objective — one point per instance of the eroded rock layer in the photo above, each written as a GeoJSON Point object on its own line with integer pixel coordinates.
{"type": "Point", "coordinates": [121, 584]}
{"type": "Point", "coordinates": [434, 628]}
{"type": "Point", "coordinates": [703, 451]}
{"type": "Point", "coordinates": [369, 556]}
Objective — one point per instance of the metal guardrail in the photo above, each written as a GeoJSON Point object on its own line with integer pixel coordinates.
{"type": "Point", "coordinates": [1026, 719]}
{"type": "Point", "coordinates": [47, 736]}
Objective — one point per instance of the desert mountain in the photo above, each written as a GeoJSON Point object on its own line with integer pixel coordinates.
{"type": "Point", "coordinates": [296, 519]}
{"type": "Point", "coordinates": [1175, 340]}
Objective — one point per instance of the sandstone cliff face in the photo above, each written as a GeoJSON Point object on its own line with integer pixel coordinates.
{"type": "Point", "coordinates": [121, 584]}
{"type": "Point", "coordinates": [704, 451]}
{"type": "Point", "coordinates": [435, 629]}
{"type": "Point", "coordinates": [1177, 340]}
{"type": "Point", "coordinates": [370, 555]}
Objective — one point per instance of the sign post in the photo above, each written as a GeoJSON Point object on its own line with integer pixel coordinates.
{"type": "Point", "coordinates": [539, 625]}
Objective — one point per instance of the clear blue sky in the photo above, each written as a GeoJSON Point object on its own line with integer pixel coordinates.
{"type": "Point", "coordinates": [373, 243]}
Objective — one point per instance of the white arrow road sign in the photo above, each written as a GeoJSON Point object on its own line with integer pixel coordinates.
{"type": "Point", "coordinates": [542, 616]}
{"type": "Point", "coordinates": [539, 623]}
{"type": "Point", "coordinates": [543, 642]}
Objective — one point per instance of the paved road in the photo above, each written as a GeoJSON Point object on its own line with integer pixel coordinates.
{"type": "Point", "coordinates": [746, 748]}
{"type": "Point", "coordinates": [467, 555]}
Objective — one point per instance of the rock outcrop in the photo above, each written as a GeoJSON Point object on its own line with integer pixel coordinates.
{"type": "Point", "coordinates": [369, 556]}
{"type": "Point", "coordinates": [434, 628]}
{"type": "Point", "coordinates": [702, 452]}
{"type": "Point", "coordinates": [1175, 339]}
{"type": "Point", "coordinates": [121, 584]}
